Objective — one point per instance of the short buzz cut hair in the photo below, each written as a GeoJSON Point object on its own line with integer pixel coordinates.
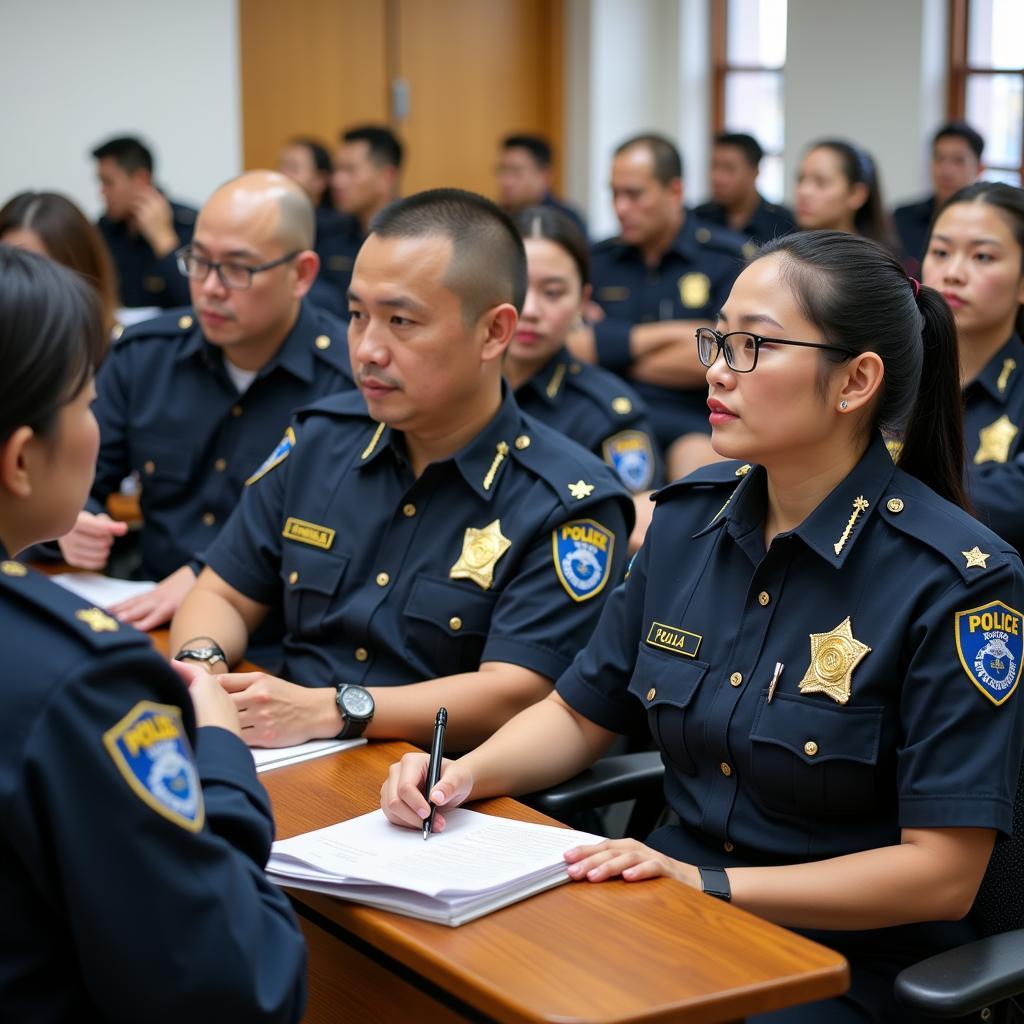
{"type": "Point", "coordinates": [488, 263]}
{"type": "Point", "coordinates": [382, 144]}
{"type": "Point", "coordinates": [961, 130]}
{"type": "Point", "coordinates": [539, 148]}
{"type": "Point", "coordinates": [127, 152]}
{"type": "Point", "coordinates": [668, 164]}
{"type": "Point", "coordinates": [746, 144]}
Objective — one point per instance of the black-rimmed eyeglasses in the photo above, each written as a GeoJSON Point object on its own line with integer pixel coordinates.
{"type": "Point", "coordinates": [740, 348]}
{"type": "Point", "coordinates": [236, 276]}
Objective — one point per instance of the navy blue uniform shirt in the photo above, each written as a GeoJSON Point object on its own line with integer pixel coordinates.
{"type": "Point", "coordinates": [596, 409]}
{"type": "Point", "coordinates": [168, 410]}
{"type": "Point", "coordinates": [691, 282]}
{"type": "Point", "coordinates": [131, 868]}
{"type": "Point", "coordinates": [769, 220]}
{"type": "Point", "coordinates": [339, 237]}
{"type": "Point", "coordinates": [565, 208]}
{"type": "Point", "coordinates": [503, 552]}
{"type": "Point", "coordinates": [143, 278]}
{"type": "Point", "coordinates": [912, 223]}
{"type": "Point", "coordinates": [993, 415]}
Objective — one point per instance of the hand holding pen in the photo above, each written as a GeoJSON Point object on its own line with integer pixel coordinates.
{"type": "Point", "coordinates": [434, 766]}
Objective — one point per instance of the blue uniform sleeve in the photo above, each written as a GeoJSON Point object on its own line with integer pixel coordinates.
{"type": "Point", "coordinates": [997, 491]}
{"type": "Point", "coordinates": [169, 923]}
{"type": "Point", "coordinates": [544, 616]}
{"type": "Point", "coordinates": [112, 411]}
{"type": "Point", "coordinates": [960, 750]}
{"type": "Point", "coordinates": [611, 336]}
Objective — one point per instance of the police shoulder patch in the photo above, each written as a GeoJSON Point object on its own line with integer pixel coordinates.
{"type": "Point", "coordinates": [630, 454]}
{"type": "Point", "coordinates": [582, 551]}
{"type": "Point", "coordinates": [150, 749]}
{"type": "Point", "coordinates": [276, 457]}
{"type": "Point", "coordinates": [990, 644]}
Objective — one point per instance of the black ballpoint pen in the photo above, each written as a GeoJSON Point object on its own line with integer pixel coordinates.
{"type": "Point", "coordinates": [434, 766]}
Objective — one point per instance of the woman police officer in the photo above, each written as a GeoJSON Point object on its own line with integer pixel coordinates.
{"type": "Point", "coordinates": [132, 871]}
{"type": "Point", "coordinates": [825, 645]}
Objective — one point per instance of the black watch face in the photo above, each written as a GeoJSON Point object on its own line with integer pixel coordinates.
{"type": "Point", "coordinates": [357, 702]}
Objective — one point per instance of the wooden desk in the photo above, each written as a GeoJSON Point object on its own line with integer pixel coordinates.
{"type": "Point", "coordinates": [652, 951]}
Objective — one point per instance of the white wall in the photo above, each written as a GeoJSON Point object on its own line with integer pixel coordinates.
{"type": "Point", "coordinates": [75, 72]}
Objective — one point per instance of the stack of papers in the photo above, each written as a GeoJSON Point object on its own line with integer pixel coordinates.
{"type": "Point", "coordinates": [102, 591]}
{"type": "Point", "coordinates": [479, 863]}
{"type": "Point", "coordinates": [277, 757]}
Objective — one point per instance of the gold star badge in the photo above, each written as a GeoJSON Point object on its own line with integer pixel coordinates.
{"type": "Point", "coordinates": [976, 557]}
{"type": "Point", "coordinates": [834, 656]}
{"type": "Point", "coordinates": [97, 621]}
{"type": "Point", "coordinates": [995, 440]}
{"type": "Point", "coordinates": [581, 490]}
{"type": "Point", "coordinates": [481, 550]}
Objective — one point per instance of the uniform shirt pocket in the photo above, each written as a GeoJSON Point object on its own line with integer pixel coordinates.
{"type": "Point", "coordinates": [160, 463]}
{"type": "Point", "coordinates": [665, 685]}
{"type": "Point", "coordinates": [809, 758]}
{"type": "Point", "coordinates": [311, 581]}
{"type": "Point", "coordinates": [448, 624]}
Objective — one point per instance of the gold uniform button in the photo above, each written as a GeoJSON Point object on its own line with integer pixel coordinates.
{"type": "Point", "coordinates": [894, 504]}
{"type": "Point", "coordinates": [185, 322]}
{"type": "Point", "coordinates": [236, 410]}
{"type": "Point", "coordinates": [763, 598]}
{"type": "Point", "coordinates": [703, 235]}
{"type": "Point", "coordinates": [362, 654]}
{"type": "Point", "coordinates": [728, 847]}
{"type": "Point", "coordinates": [652, 693]}
{"type": "Point", "coordinates": [115, 334]}
{"type": "Point", "coordinates": [209, 519]}
{"type": "Point", "coordinates": [622, 405]}
{"type": "Point", "coordinates": [409, 510]}
{"type": "Point", "coordinates": [810, 748]}
{"type": "Point", "coordinates": [293, 577]}
{"type": "Point", "coordinates": [725, 768]}
{"type": "Point", "coordinates": [383, 579]}
{"type": "Point", "coordinates": [323, 343]}
{"type": "Point", "coordinates": [149, 466]}
{"type": "Point", "coordinates": [220, 465]}
{"type": "Point", "coordinates": [455, 622]}
{"type": "Point", "coordinates": [522, 441]}
{"type": "Point", "coordinates": [736, 678]}
{"type": "Point", "coordinates": [10, 568]}
{"type": "Point", "coordinates": [575, 367]}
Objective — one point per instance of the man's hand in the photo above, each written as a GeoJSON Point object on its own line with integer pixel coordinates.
{"type": "Point", "coordinates": [213, 705]}
{"type": "Point", "coordinates": [154, 218]}
{"type": "Point", "coordinates": [147, 611]}
{"type": "Point", "coordinates": [87, 545]}
{"type": "Point", "coordinates": [276, 713]}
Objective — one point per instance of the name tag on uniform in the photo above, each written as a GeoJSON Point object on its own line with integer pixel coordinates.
{"type": "Point", "coordinates": [613, 293]}
{"type": "Point", "coordinates": [674, 639]}
{"type": "Point", "coordinates": [308, 533]}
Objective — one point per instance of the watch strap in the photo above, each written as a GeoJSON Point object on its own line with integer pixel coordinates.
{"type": "Point", "coordinates": [715, 882]}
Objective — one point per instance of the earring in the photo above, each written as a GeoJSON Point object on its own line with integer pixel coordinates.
{"type": "Point", "coordinates": [844, 404]}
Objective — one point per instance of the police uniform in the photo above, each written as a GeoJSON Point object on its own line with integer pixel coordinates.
{"type": "Point", "coordinates": [168, 410]}
{"type": "Point", "coordinates": [894, 621]}
{"type": "Point", "coordinates": [145, 279]}
{"type": "Point", "coordinates": [503, 552]}
{"type": "Point", "coordinates": [133, 844]}
{"type": "Point", "coordinates": [550, 200]}
{"type": "Point", "coordinates": [769, 220]}
{"type": "Point", "coordinates": [597, 410]}
{"type": "Point", "coordinates": [912, 223]}
{"type": "Point", "coordinates": [691, 282]}
{"type": "Point", "coordinates": [339, 237]}
{"type": "Point", "coordinates": [993, 415]}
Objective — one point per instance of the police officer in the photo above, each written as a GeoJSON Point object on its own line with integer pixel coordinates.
{"type": "Point", "coordinates": [135, 830]}
{"type": "Point", "coordinates": [735, 201]}
{"type": "Point", "coordinates": [431, 533]}
{"type": "Point", "coordinates": [976, 259]}
{"type": "Point", "coordinates": [525, 178]}
{"type": "Point", "coordinates": [193, 400]}
{"type": "Point", "coordinates": [142, 228]}
{"type": "Point", "coordinates": [826, 647]}
{"type": "Point", "coordinates": [586, 403]}
{"type": "Point", "coordinates": [663, 276]}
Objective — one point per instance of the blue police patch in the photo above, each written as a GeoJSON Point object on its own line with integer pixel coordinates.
{"type": "Point", "coordinates": [582, 552]}
{"type": "Point", "coordinates": [151, 751]}
{"type": "Point", "coordinates": [276, 457]}
{"type": "Point", "coordinates": [630, 454]}
{"type": "Point", "coordinates": [990, 643]}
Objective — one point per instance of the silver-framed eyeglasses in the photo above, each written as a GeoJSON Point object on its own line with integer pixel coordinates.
{"type": "Point", "coordinates": [236, 276]}
{"type": "Point", "coordinates": [740, 348]}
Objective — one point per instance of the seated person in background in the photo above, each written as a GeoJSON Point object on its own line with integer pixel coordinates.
{"type": "Point", "coordinates": [856, 789]}
{"type": "Point", "coordinates": [524, 177]}
{"type": "Point", "coordinates": [193, 400]}
{"type": "Point", "coordinates": [141, 227]}
{"type": "Point", "coordinates": [664, 275]}
{"type": "Point", "coordinates": [427, 531]}
{"type": "Point", "coordinates": [367, 165]}
{"type": "Point", "coordinates": [956, 163]}
{"type": "Point", "coordinates": [51, 225]}
{"type": "Point", "coordinates": [975, 258]}
{"type": "Point", "coordinates": [592, 406]}
{"type": "Point", "coordinates": [735, 202]}
{"type": "Point", "coordinates": [135, 830]}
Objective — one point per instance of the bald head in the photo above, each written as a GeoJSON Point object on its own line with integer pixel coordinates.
{"type": "Point", "coordinates": [266, 207]}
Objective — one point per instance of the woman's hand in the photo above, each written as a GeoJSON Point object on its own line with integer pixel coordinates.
{"type": "Point", "coordinates": [628, 858]}
{"type": "Point", "coordinates": [402, 799]}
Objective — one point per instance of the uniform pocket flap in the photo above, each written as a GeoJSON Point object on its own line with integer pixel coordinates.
{"type": "Point", "coordinates": [308, 569]}
{"type": "Point", "coordinates": [157, 459]}
{"type": "Point", "coordinates": [818, 732]}
{"type": "Point", "coordinates": [454, 607]}
{"type": "Point", "coordinates": [665, 678]}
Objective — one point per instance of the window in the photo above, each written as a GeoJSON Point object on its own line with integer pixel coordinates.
{"type": "Point", "coordinates": [986, 81]}
{"type": "Point", "coordinates": [749, 47]}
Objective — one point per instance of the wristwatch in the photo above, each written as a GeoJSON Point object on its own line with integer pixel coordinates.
{"type": "Point", "coordinates": [715, 882]}
{"type": "Point", "coordinates": [356, 706]}
{"type": "Point", "coordinates": [209, 654]}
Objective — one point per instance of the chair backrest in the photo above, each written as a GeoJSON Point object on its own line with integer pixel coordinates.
{"type": "Point", "coordinates": [1000, 903]}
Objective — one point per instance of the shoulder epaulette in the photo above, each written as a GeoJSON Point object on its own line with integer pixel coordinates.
{"type": "Point", "coordinates": [619, 402]}
{"type": "Point", "coordinates": [341, 405]}
{"type": "Point", "coordinates": [172, 324]}
{"type": "Point", "coordinates": [716, 474]}
{"type": "Point", "coordinates": [606, 245]}
{"type": "Point", "coordinates": [713, 236]}
{"type": "Point", "coordinates": [331, 341]}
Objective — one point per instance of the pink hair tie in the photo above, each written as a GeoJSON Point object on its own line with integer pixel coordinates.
{"type": "Point", "coordinates": [916, 285]}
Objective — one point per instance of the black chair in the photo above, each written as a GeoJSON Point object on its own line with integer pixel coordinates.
{"type": "Point", "coordinates": [984, 977]}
